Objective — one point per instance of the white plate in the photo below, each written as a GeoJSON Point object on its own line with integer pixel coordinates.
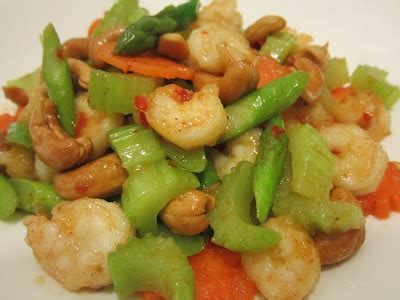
{"type": "Point", "coordinates": [364, 31]}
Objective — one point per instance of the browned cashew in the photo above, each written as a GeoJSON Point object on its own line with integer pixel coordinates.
{"type": "Point", "coordinates": [263, 27]}
{"type": "Point", "coordinates": [239, 78]}
{"type": "Point", "coordinates": [186, 214]}
{"type": "Point", "coordinates": [336, 248]}
{"type": "Point", "coordinates": [81, 70]}
{"type": "Point", "coordinates": [76, 48]}
{"type": "Point", "coordinates": [97, 43]}
{"type": "Point", "coordinates": [317, 54]}
{"type": "Point", "coordinates": [97, 179]}
{"type": "Point", "coordinates": [16, 95]}
{"type": "Point", "coordinates": [51, 144]}
{"type": "Point", "coordinates": [174, 46]}
{"type": "Point", "coordinates": [313, 91]}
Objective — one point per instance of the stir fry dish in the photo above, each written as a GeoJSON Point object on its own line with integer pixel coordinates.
{"type": "Point", "coordinates": [182, 156]}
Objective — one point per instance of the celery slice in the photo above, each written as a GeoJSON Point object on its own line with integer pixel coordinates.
{"type": "Point", "coordinates": [115, 92]}
{"type": "Point", "coordinates": [27, 82]}
{"type": "Point", "coordinates": [191, 160]}
{"type": "Point", "coordinates": [147, 191]}
{"type": "Point", "coordinates": [136, 147]}
{"type": "Point", "coordinates": [209, 176]}
{"type": "Point", "coordinates": [336, 73]}
{"type": "Point", "coordinates": [18, 134]}
{"type": "Point", "coordinates": [278, 46]}
{"type": "Point", "coordinates": [8, 198]}
{"type": "Point", "coordinates": [312, 162]}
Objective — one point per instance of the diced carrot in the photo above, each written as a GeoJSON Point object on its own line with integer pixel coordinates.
{"type": "Point", "coordinates": [149, 296]}
{"type": "Point", "coordinates": [145, 64]}
{"type": "Point", "coordinates": [387, 196]}
{"type": "Point", "coordinates": [342, 92]}
{"type": "Point", "coordinates": [219, 275]}
{"type": "Point", "coordinates": [5, 122]}
{"type": "Point", "coordinates": [94, 26]}
{"type": "Point", "coordinates": [269, 69]}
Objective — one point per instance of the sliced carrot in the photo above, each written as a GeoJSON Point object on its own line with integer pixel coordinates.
{"type": "Point", "coordinates": [269, 69]}
{"type": "Point", "coordinates": [146, 64]}
{"type": "Point", "coordinates": [149, 296]}
{"type": "Point", "coordinates": [5, 122]}
{"type": "Point", "coordinates": [387, 196]}
{"type": "Point", "coordinates": [342, 92]}
{"type": "Point", "coordinates": [94, 26]}
{"type": "Point", "coordinates": [219, 275]}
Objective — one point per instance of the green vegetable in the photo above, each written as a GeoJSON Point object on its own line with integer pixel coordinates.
{"type": "Point", "coordinates": [278, 46]}
{"type": "Point", "coordinates": [116, 92]}
{"type": "Point", "coordinates": [58, 80]}
{"type": "Point", "coordinates": [336, 73]}
{"type": "Point", "coordinates": [370, 79]}
{"type": "Point", "coordinates": [191, 160]}
{"type": "Point", "coordinates": [230, 219]}
{"type": "Point", "coordinates": [261, 105]}
{"type": "Point", "coordinates": [18, 134]}
{"type": "Point", "coordinates": [151, 264]}
{"type": "Point", "coordinates": [136, 147]}
{"type": "Point", "coordinates": [315, 214]}
{"type": "Point", "coordinates": [143, 35]}
{"type": "Point", "coordinates": [268, 169]}
{"type": "Point", "coordinates": [312, 162]}
{"type": "Point", "coordinates": [8, 198]}
{"type": "Point", "coordinates": [189, 245]}
{"type": "Point", "coordinates": [35, 196]}
{"type": "Point", "coordinates": [209, 176]}
{"type": "Point", "coordinates": [147, 191]}
{"type": "Point", "coordinates": [27, 82]}
{"type": "Point", "coordinates": [123, 12]}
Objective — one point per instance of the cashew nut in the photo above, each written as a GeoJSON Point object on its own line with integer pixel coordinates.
{"type": "Point", "coordinates": [313, 91]}
{"type": "Point", "coordinates": [51, 144]}
{"type": "Point", "coordinates": [76, 48]}
{"type": "Point", "coordinates": [81, 70]}
{"type": "Point", "coordinates": [263, 27]}
{"type": "Point", "coordinates": [336, 248]}
{"type": "Point", "coordinates": [97, 179]}
{"type": "Point", "coordinates": [317, 54]}
{"type": "Point", "coordinates": [97, 43]}
{"type": "Point", "coordinates": [186, 214]}
{"type": "Point", "coordinates": [16, 95]}
{"type": "Point", "coordinates": [174, 46]}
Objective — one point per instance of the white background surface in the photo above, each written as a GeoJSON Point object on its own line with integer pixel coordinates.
{"type": "Point", "coordinates": [364, 31]}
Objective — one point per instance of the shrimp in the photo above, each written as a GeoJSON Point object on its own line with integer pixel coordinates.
{"type": "Point", "coordinates": [95, 125]}
{"type": "Point", "coordinates": [73, 246]}
{"type": "Point", "coordinates": [207, 42]}
{"type": "Point", "coordinates": [360, 162]}
{"type": "Point", "coordinates": [188, 120]}
{"type": "Point", "coordinates": [221, 12]}
{"type": "Point", "coordinates": [244, 147]}
{"type": "Point", "coordinates": [288, 271]}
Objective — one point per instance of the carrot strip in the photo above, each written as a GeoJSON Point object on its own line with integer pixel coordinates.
{"type": "Point", "coordinates": [5, 122]}
{"type": "Point", "coordinates": [146, 64]}
{"type": "Point", "coordinates": [269, 69]}
{"type": "Point", "coordinates": [94, 26]}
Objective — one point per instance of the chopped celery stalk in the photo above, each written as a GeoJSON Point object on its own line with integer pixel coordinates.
{"type": "Point", "coordinates": [336, 73]}
{"type": "Point", "coordinates": [316, 214]}
{"type": "Point", "coordinates": [136, 147]}
{"type": "Point", "coordinates": [370, 79]}
{"type": "Point", "coordinates": [122, 13]}
{"type": "Point", "coordinates": [153, 264]}
{"type": "Point", "coordinates": [189, 245]}
{"type": "Point", "coordinates": [312, 162]}
{"type": "Point", "coordinates": [27, 82]}
{"type": "Point", "coordinates": [18, 134]}
{"type": "Point", "coordinates": [148, 190]}
{"type": "Point", "coordinates": [191, 160]}
{"type": "Point", "coordinates": [8, 198]}
{"type": "Point", "coordinates": [268, 169]}
{"type": "Point", "coordinates": [57, 76]}
{"type": "Point", "coordinates": [231, 220]}
{"type": "Point", "coordinates": [278, 46]}
{"type": "Point", "coordinates": [115, 92]}
{"type": "Point", "coordinates": [209, 176]}
{"type": "Point", "coordinates": [34, 196]}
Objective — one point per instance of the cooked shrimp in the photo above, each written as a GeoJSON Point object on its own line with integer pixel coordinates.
{"type": "Point", "coordinates": [360, 162]}
{"type": "Point", "coordinates": [204, 46]}
{"type": "Point", "coordinates": [221, 12]}
{"type": "Point", "coordinates": [43, 171]}
{"type": "Point", "coordinates": [73, 246]}
{"type": "Point", "coordinates": [188, 120]}
{"type": "Point", "coordinates": [288, 271]}
{"type": "Point", "coordinates": [95, 125]}
{"type": "Point", "coordinates": [244, 147]}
